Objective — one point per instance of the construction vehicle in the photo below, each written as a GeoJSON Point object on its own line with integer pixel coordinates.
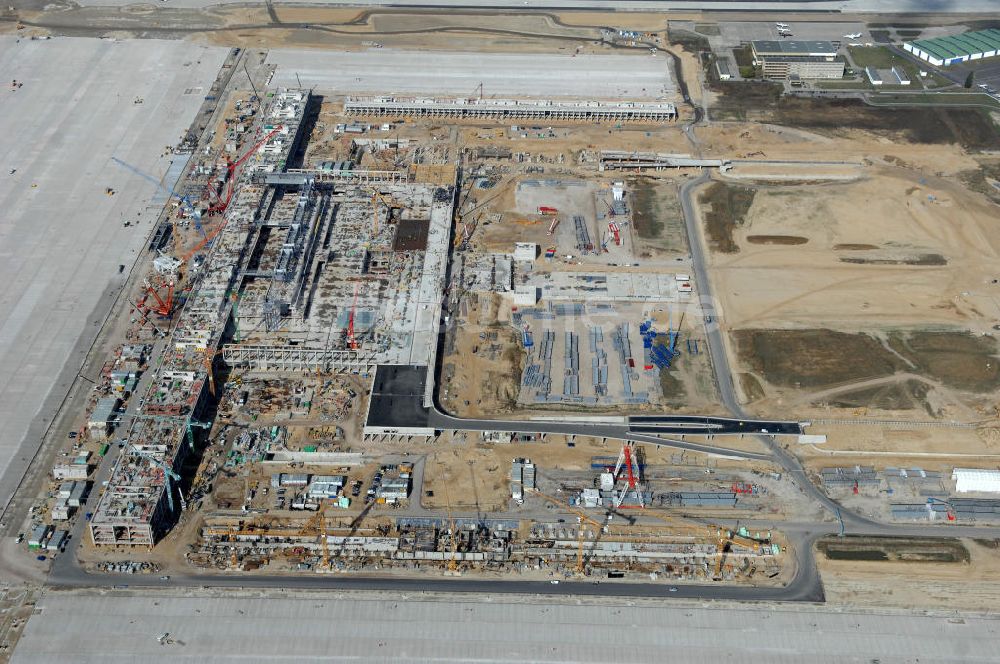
{"type": "Point", "coordinates": [615, 231]}
{"type": "Point", "coordinates": [191, 426]}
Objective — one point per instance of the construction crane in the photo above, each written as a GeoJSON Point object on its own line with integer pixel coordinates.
{"type": "Point", "coordinates": [228, 186]}
{"type": "Point", "coordinates": [168, 475]}
{"type": "Point", "coordinates": [582, 518]}
{"type": "Point", "coordinates": [201, 244]}
{"type": "Point", "coordinates": [376, 198]}
{"type": "Point", "coordinates": [209, 360]}
{"type": "Point", "coordinates": [164, 307]}
{"type": "Point", "coordinates": [352, 341]}
{"type": "Point", "coordinates": [236, 297]}
{"type": "Point", "coordinates": [191, 426]}
{"type": "Point", "coordinates": [185, 202]}
{"type": "Point", "coordinates": [453, 561]}
{"type": "Point", "coordinates": [145, 319]}
{"type": "Point", "coordinates": [627, 459]}
{"type": "Point", "coordinates": [723, 537]}
{"type": "Point", "coordinates": [324, 542]}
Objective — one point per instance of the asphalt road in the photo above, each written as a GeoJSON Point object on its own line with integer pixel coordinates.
{"type": "Point", "coordinates": [443, 421]}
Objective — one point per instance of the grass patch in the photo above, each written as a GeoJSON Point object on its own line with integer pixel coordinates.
{"type": "Point", "coordinates": [970, 128]}
{"type": "Point", "coordinates": [777, 239]}
{"type": "Point", "coordinates": [894, 549]}
{"type": "Point", "coordinates": [813, 358]}
{"type": "Point", "coordinates": [708, 29]}
{"type": "Point", "coordinates": [729, 206]}
{"type": "Point", "coordinates": [740, 100]}
{"type": "Point", "coordinates": [854, 247]}
{"type": "Point", "coordinates": [855, 84]}
{"type": "Point", "coordinates": [657, 214]}
{"type": "Point", "coordinates": [921, 259]}
{"type": "Point", "coordinates": [980, 180]}
{"type": "Point", "coordinates": [645, 215]}
{"type": "Point", "coordinates": [907, 395]}
{"type": "Point", "coordinates": [879, 57]}
{"type": "Point", "coordinates": [691, 42]}
{"type": "Point", "coordinates": [752, 389]}
{"type": "Point", "coordinates": [960, 360]}
{"type": "Point", "coordinates": [672, 388]}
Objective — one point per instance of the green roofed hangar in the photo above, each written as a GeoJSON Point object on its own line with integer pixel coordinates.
{"type": "Point", "coordinates": [944, 51]}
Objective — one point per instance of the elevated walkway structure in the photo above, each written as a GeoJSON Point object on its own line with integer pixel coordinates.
{"type": "Point", "coordinates": [510, 109]}
{"type": "Point", "coordinates": [616, 160]}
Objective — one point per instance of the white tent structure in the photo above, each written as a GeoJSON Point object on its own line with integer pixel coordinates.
{"type": "Point", "coordinates": [979, 480]}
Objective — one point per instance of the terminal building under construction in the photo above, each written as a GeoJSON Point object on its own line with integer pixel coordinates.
{"type": "Point", "coordinates": [309, 273]}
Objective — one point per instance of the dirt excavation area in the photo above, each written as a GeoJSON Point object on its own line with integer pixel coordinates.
{"type": "Point", "coordinates": [876, 296]}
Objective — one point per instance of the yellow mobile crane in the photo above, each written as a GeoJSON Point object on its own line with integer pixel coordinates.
{"type": "Point", "coordinates": [452, 562]}
{"type": "Point", "coordinates": [583, 518]}
{"type": "Point", "coordinates": [376, 198]}
{"type": "Point", "coordinates": [723, 536]}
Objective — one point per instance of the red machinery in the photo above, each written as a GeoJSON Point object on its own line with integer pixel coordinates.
{"type": "Point", "coordinates": [222, 201]}
{"type": "Point", "coordinates": [164, 307]}
{"type": "Point", "coordinates": [628, 460]}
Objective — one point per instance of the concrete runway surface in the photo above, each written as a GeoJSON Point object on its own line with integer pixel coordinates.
{"type": "Point", "coordinates": [92, 627]}
{"type": "Point", "coordinates": [62, 237]}
{"type": "Point", "coordinates": [387, 72]}
{"type": "Point", "coordinates": [845, 6]}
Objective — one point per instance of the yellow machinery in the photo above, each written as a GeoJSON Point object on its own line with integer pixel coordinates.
{"type": "Point", "coordinates": [324, 543]}
{"type": "Point", "coordinates": [583, 518]}
{"type": "Point", "coordinates": [376, 198]}
{"type": "Point", "coordinates": [452, 562]}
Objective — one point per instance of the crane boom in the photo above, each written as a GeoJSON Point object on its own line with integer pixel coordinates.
{"type": "Point", "coordinates": [352, 341]}
{"type": "Point", "coordinates": [168, 475]}
{"type": "Point", "coordinates": [231, 167]}
{"type": "Point", "coordinates": [184, 200]}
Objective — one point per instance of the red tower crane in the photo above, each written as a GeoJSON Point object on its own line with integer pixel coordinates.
{"type": "Point", "coordinates": [163, 307]}
{"type": "Point", "coordinates": [222, 202]}
{"type": "Point", "coordinates": [628, 459]}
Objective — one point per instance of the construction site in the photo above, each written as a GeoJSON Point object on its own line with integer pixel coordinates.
{"type": "Point", "coordinates": [310, 252]}
{"type": "Point", "coordinates": [540, 325]}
